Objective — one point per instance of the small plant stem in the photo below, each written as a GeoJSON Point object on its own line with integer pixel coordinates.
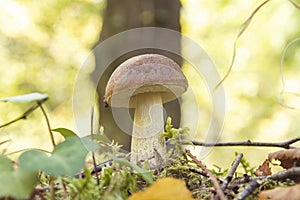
{"type": "Point", "coordinates": [92, 136]}
{"type": "Point", "coordinates": [23, 116]}
{"type": "Point", "coordinates": [5, 141]}
{"type": "Point", "coordinates": [241, 31]}
{"type": "Point", "coordinates": [95, 167]}
{"type": "Point", "coordinates": [213, 179]}
{"type": "Point", "coordinates": [48, 124]}
{"type": "Point", "coordinates": [52, 188]}
{"type": "Point", "coordinates": [64, 188]}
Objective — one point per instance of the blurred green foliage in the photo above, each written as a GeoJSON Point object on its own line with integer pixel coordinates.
{"type": "Point", "coordinates": [253, 86]}
{"type": "Point", "coordinates": [44, 43]}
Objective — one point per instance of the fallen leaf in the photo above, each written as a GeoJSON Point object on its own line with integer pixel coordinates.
{"type": "Point", "coordinates": [290, 193]}
{"type": "Point", "coordinates": [264, 169]}
{"type": "Point", "coordinates": [288, 158]}
{"type": "Point", "coordinates": [165, 188]}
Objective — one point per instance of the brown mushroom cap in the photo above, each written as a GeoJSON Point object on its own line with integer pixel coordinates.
{"type": "Point", "coordinates": [142, 74]}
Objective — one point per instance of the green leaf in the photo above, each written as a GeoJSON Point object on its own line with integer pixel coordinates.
{"type": "Point", "coordinates": [67, 158]}
{"type": "Point", "coordinates": [89, 144]}
{"type": "Point", "coordinates": [68, 133]}
{"type": "Point", "coordinates": [18, 184]}
{"type": "Point", "coordinates": [5, 164]}
{"type": "Point", "coordinates": [145, 174]}
{"type": "Point", "coordinates": [26, 98]}
{"type": "Point", "coordinates": [100, 138]}
{"type": "Point", "coordinates": [65, 132]}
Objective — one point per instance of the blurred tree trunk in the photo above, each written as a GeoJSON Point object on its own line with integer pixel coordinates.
{"type": "Point", "coordinates": [122, 15]}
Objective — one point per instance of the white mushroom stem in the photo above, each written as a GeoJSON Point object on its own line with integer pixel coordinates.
{"type": "Point", "coordinates": [147, 144]}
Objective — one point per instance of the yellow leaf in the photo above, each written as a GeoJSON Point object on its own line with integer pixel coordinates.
{"type": "Point", "coordinates": [165, 188]}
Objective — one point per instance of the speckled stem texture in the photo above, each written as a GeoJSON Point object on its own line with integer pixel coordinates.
{"type": "Point", "coordinates": [147, 145]}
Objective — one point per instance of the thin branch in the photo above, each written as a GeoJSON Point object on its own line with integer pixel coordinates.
{"type": "Point", "coordinates": [197, 171]}
{"type": "Point", "coordinates": [48, 123]}
{"type": "Point", "coordinates": [285, 144]}
{"type": "Point", "coordinates": [253, 185]}
{"type": "Point", "coordinates": [97, 169]}
{"type": "Point", "coordinates": [255, 182]}
{"type": "Point", "coordinates": [23, 116]}
{"type": "Point", "coordinates": [209, 173]}
{"type": "Point", "coordinates": [233, 168]}
{"type": "Point", "coordinates": [292, 173]}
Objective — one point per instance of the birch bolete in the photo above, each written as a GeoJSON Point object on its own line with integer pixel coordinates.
{"type": "Point", "coordinates": [145, 82]}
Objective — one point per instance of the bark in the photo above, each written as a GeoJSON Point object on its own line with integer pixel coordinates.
{"type": "Point", "coordinates": [122, 15]}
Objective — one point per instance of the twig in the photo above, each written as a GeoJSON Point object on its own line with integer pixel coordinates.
{"type": "Point", "coordinates": [233, 168]}
{"type": "Point", "coordinates": [285, 144]}
{"type": "Point", "coordinates": [198, 172]}
{"type": "Point", "coordinates": [23, 116]}
{"type": "Point", "coordinates": [92, 136]}
{"type": "Point", "coordinates": [48, 123]}
{"type": "Point", "coordinates": [291, 173]}
{"type": "Point", "coordinates": [210, 175]}
{"type": "Point", "coordinates": [95, 170]}
{"type": "Point", "coordinates": [253, 185]}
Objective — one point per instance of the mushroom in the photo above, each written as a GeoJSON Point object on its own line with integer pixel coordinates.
{"type": "Point", "coordinates": [145, 82]}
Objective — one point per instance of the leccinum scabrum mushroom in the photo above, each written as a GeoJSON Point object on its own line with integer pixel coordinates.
{"type": "Point", "coordinates": [145, 82]}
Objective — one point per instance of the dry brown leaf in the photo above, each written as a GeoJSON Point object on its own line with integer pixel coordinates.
{"type": "Point", "coordinates": [165, 188]}
{"type": "Point", "coordinates": [288, 193]}
{"type": "Point", "coordinates": [288, 158]}
{"type": "Point", "coordinates": [264, 169]}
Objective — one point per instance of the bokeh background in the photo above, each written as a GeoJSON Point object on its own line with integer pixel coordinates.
{"type": "Point", "coordinates": [43, 44]}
